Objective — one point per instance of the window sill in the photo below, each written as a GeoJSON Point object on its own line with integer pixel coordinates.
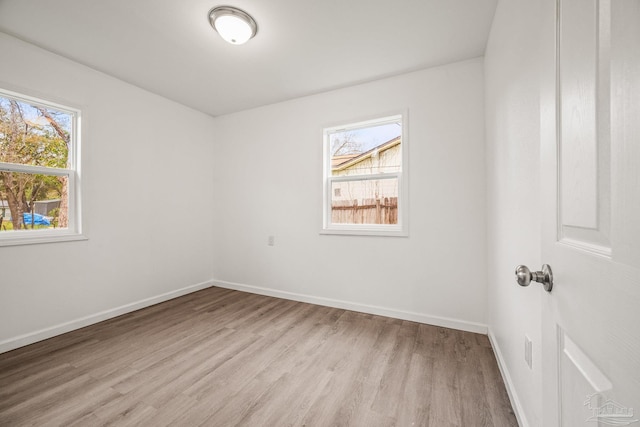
{"type": "Point", "coordinates": [364, 232]}
{"type": "Point", "coordinates": [34, 238]}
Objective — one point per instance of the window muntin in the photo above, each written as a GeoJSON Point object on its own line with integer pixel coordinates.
{"type": "Point", "coordinates": [38, 170]}
{"type": "Point", "coordinates": [365, 190]}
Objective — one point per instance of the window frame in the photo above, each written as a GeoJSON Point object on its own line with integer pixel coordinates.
{"type": "Point", "coordinates": [401, 229]}
{"type": "Point", "coordinates": [72, 172]}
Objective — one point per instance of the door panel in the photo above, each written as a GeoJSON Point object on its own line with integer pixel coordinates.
{"type": "Point", "coordinates": [590, 181]}
{"type": "Point", "coordinates": [578, 128]}
{"type": "Point", "coordinates": [583, 384]}
{"type": "Point", "coordinates": [584, 137]}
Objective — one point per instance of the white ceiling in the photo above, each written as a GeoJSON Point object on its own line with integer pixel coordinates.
{"type": "Point", "coordinates": [302, 47]}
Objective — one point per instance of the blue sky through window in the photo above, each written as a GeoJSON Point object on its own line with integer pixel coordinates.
{"type": "Point", "coordinates": [364, 139]}
{"type": "Point", "coordinates": [373, 136]}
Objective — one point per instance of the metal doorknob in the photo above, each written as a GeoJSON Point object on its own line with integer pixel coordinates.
{"type": "Point", "coordinates": [524, 276]}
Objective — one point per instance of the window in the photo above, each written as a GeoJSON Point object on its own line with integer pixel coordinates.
{"type": "Point", "coordinates": [39, 177]}
{"type": "Point", "coordinates": [365, 184]}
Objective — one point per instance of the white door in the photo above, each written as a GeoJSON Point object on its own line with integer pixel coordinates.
{"type": "Point", "coordinates": [590, 155]}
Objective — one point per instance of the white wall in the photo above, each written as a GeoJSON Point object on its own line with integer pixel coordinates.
{"type": "Point", "coordinates": [140, 152]}
{"type": "Point", "coordinates": [513, 226]}
{"type": "Point", "coordinates": [268, 181]}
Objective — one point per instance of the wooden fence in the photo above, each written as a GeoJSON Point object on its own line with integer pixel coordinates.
{"type": "Point", "coordinates": [371, 211]}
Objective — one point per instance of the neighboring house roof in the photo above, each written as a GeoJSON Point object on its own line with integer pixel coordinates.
{"type": "Point", "coordinates": [348, 160]}
{"type": "Point", "coordinates": [337, 160]}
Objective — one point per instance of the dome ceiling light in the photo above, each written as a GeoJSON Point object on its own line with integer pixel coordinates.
{"type": "Point", "coordinates": [234, 25]}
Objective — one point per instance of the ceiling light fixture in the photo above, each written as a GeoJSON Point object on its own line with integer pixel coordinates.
{"type": "Point", "coordinates": [234, 25]}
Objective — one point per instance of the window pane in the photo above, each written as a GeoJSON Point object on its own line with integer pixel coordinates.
{"type": "Point", "coordinates": [30, 201]}
{"type": "Point", "coordinates": [365, 201]}
{"type": "Point", "coordinates": [33, 134]}
{"type": "Point", "coordinates": [366, 151]}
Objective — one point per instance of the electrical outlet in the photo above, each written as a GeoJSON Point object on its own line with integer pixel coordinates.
{"type": "Point", "coordinates": [528, 351]}
{"type": "Point", "coordinates": [271, 240]}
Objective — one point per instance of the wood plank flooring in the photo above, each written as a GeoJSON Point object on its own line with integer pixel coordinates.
{"type": "Point", "coordinates": [225, 358]}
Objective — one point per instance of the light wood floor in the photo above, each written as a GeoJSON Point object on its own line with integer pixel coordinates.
{"type": "Point", "coordinates": [222, 358]}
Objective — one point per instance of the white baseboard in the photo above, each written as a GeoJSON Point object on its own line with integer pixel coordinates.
{"type": "Point", "coordinates": [43, 334]}
{"type": "Point", "coordinates": [506, 377]}
{"type": "Point", "coordinates": [445, 322]}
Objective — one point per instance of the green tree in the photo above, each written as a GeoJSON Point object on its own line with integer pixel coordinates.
{"type": "Point", "coordinates": [30, 135]}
